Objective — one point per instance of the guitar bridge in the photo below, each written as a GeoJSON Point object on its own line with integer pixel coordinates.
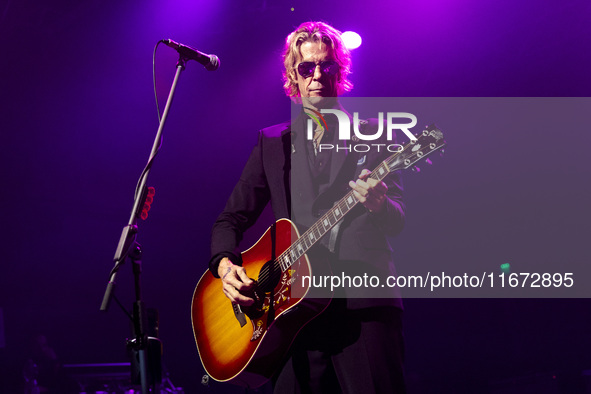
{"type": "Point", "coordinates": [239, 315]}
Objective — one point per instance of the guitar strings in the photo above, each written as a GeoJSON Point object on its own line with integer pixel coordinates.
{"type": "Point", "coordinates": [265, 276]}
{"type": "Point", "coordinates": [315, 228]}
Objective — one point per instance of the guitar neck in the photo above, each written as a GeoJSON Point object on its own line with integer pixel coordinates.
{"type": "Point", "coordinates": [429, 141]}
{"type": "Point", "coordinates": [326, 223]}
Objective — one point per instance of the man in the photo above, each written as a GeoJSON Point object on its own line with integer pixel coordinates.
{"type": "Point", "coordinates": [355, 345]}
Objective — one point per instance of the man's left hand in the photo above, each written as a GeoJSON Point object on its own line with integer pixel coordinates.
{"type": "Point", "coordinates": [370, 192]}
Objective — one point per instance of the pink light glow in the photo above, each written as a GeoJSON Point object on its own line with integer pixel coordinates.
{"type": "Point", "coordinates": [351, 39]}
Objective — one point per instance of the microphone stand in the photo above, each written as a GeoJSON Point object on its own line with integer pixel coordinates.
{"type": "Point", "coordinates": [129, 247]}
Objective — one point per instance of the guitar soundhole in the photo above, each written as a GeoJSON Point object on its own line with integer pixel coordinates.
{"type": "Point", "coordinates": [269, 276]}
{"type": "Point", "coordinates": [268, 279]}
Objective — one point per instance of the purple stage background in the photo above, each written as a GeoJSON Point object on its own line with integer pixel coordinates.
{"type": "Point", "coordinates": [78, 119]}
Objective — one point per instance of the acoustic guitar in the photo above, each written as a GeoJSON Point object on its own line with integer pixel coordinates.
{"type": "Point", "coordinates": [248, 354]}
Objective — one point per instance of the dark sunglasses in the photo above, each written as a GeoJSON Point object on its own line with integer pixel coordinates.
{"type": "Point", "coordinates": [328, 67]}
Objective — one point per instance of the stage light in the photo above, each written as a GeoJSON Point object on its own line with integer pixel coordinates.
{"type": "Point", "coordinates": [351, 39]}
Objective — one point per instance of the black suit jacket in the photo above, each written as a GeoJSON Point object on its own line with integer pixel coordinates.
{"type": "Point", "coordinates": [277, 172]}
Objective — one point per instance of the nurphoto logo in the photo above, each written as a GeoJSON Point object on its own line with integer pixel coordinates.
{"type": "Point", "coordinates": [344, 129]}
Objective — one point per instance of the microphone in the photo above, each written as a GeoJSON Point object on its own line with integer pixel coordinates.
{"type": "Point", "coordinates": [211, 62]}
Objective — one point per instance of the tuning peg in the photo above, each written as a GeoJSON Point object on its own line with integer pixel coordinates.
{"type": "Point", "coordinates": [416, 169]}
{"type": "Point", "coordinates": [441, 152]}
{"type": "Point", "coordinates": [428, 161]}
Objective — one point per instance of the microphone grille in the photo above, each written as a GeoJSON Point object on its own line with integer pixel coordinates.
{"type": "Point", "coordinates": [213, 64]}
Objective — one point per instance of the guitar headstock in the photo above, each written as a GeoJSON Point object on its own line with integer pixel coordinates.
{"type": "Point", "coordinates": [427, 142]}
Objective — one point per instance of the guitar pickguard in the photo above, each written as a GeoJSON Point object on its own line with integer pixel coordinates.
{"type": "Point", "coordinates": [281, 297]}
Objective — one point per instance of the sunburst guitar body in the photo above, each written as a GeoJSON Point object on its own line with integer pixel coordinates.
{"type": "Point", "coordinates": [248, 355]}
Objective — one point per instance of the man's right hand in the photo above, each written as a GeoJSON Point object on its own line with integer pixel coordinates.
{"type": "Point", "coordinates": [235, 280]}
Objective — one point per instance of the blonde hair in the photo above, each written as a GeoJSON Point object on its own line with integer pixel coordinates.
{"type": "Point", "coordinates": [315, 32]}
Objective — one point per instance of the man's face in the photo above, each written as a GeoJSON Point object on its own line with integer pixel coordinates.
{"type": "Point", "coordinates": [318, 86]}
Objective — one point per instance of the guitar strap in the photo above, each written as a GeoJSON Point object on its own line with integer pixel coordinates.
{"type": "Point", "coordinates": [272, 268]}
{"type": "Point", "coordinates": [273, 242]}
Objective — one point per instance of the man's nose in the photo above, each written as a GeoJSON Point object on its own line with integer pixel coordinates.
{"type": "Point", "coordinates": [317, 72]}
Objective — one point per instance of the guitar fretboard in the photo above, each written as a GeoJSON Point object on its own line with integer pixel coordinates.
{"type": "Point", "coordinates": [325, 223]}
{"type": "Point", "coordinates": [430, 140]}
